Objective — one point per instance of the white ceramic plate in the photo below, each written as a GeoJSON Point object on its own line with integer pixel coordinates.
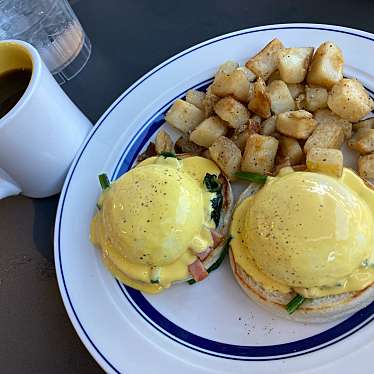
{"type": "Point", "coordinates": [211, 327]}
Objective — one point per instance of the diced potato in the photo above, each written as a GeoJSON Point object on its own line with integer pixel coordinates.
{"type": "Point", "coordinates": [232, 111]}
{"type": "Point", "coordinates": [297, 124]}
{"type": "Point", "coordinates": [196, 98]}
{"type": "Point", "coordinates": [240, 138]}
{"type": "Point", "coordinates": [240, 85]}
{"type": "Point", "coordinates": [209, 101]}
{"type": "Point", "coordinates": [208, 131]}
{"type": "Point", "coordinates": [357, 136]}
{"type": "Point", "coordinates": [228, 67]}
{"type": "Point", "coordinates": [274, 76]}
{"type": "Point", "coordinates": [251, 76]}
{"type": "Point", "coordinates": [315, 98]}
{"type": "Point", "coordinates": [329, 135]}
{"type": "Point", "coordinates": [184, 116]}
{"type": "Point", "coordinates": [363, 141]}
{"type": "Point", "coordinates": [366, 166]}
{"type": "Point", "coordinates": [256, 118]}
{"type": "Point", "coordinates": [230, 80]}
{"type": "Point", "coordinates": [300, 101]}
{"type": "Point", "coordinates": [325, 160]}
{"type": "Point", "coordinates": [290, 149]}
{"type": "Point", "coordinates": [221, 85]}
{"type": "Point", "coordinates": [226, 155]}
{"type": "Point", "coordinates": [349, 100]}
{"type": "Point", "coordinates": [365, 124]}
{"type": "Point", "coordinates": [268, 126]}
{"type": "Point", "coordinates": [259, 101]}
{"type": "Point", "coordinates": [296, 89]}
{"type": "Point", "coordinates": [184, 145]}
{"type": "Point", "coordinates": [293, 63]}
{"type": "Point", "coordinates": [266, 61]}
{"type": "Point", "coordinates": [323, 116]}
{"type": "Point", "coordinates": [259, 154]}
{"type": "Point", "coordinates": [326, 68]}
{"type": "Point", "coordinates": [280, 97]}
{"type": "Point", "coordinates": [163, 142]}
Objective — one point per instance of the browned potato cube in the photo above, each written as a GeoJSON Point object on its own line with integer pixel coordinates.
{"type": "Point", "coordinates": [297, 124]}
{"type": "Point", "coordinates": [325, 160]}
{"type": "Point", "coordinates": [280, 97]}
{"type": "Point", "coordinates": [256, 119]}
{"type": "Point", "coordinates": [232, 111]}
{"type": "Point", "coordinates": [251, 76]}
{"type": "Point", "coordinates": [228, 67]}
{"type": "Point", "coordinates": [209, 101]}
{"type": "Point", "coordinates": [274, 76]}
{"type": "Point", "coordinates": [259, 101]}
{"type": "Point", "coordinates": [349, 100]}
{"type": "Point", "coordinates": [259, 154]}
{"type": "Point", "coordinates": [290, 149]}
{"type": "Point", "coordinates": [323, 116]}
{"type": "Point", "coordinates": [239, 85]}
{"type": "Point", "coordinates": [236, 84]}
{"type": "Point", "coordinates": [326, 68]}
{"type": "Point", "coordinates": [222, 85]}
{"type": "Point", "coordinates": [240, 138]}
{"type": "Point", "coordinates": [208, 131]}
{"type": "Point", "coordinates": [184, 116]}
{"type": "Point", "coordinates": [315, 98]}
{"type": "Point", "coordinates": [196, 98]}
{"type": "Point", "coordinates": [268, 126]}
{"type": "Point", "coordinates": [226, 155]}
{"type": "Point", "coordinates": [365, 124]}
{"type": "Point", "coordinates": [300, 102]}
{"type": "Point", "coordinates": [296, 89]}
{"type": "Point", "coordinates": [293, 63]}
{"type": "Point", "coordinates": [266, 61]}
{"type": "Point", "coordinates": [163, 142]}
{"type": "Point", "coordinates": [329, 135]}
{"type": "Point", "coordinates": [363, 141]}
{"type": "Point", "coordinates": [366, 166]}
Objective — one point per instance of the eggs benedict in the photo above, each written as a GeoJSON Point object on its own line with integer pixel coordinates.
{"type": "Point", "coordinates": [303, 244]}
{"type": "Point", "coordinates": [164, 221]}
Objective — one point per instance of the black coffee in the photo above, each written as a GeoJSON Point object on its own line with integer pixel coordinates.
{"type": "Point", "coordinates": [13, 84]}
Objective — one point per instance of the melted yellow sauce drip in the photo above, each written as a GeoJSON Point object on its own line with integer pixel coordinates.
{"type": "Point", "coordinates": [343, 266]}
{"type": "Point", "coordinates": [115, 228]}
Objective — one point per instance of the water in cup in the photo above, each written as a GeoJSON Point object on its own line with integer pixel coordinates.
{"type": "Point", "coordinates": [53, 28]}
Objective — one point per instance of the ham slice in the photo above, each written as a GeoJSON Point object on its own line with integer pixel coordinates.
{"type": "Point", "coordinates": [197, 270]}
{"type": "Point", "coordinates": [217, 237]}
{"type": "Point", "coordinates": [204, 255]}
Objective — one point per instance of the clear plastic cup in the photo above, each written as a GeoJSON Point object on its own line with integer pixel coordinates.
{"type": "Point", "coordinates": [53, 28]}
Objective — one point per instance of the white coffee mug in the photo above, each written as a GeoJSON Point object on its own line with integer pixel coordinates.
{"type": "Point", "coordinates": [41, 134]}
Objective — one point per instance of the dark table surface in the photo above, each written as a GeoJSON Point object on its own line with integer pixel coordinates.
{"type": "Point", "coordinates": [128, 39]}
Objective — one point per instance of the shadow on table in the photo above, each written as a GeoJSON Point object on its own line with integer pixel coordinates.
{"type": "Point", "coordinates": [44, 220]}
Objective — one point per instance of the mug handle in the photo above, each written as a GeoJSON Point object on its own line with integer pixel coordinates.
{"type": "Point", "coordinates": [7, 186]}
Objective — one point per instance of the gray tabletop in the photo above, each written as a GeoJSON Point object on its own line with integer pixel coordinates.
{"type": "Point", "coordinates": [128, 39]}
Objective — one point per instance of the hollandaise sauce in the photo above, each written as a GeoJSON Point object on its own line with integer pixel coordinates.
{"type": "Point", "coordinates": [307, 232]}
{"type": "Point", "coordinates": [155, 220]}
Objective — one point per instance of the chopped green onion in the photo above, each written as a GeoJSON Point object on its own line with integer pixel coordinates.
{"type": "Point", "coordinates": [168, 154]}
{"type": "Point", "coordinates": [251, 177]}
{"type": "Point", "coordinates": [104, 181]}
{"type": "Point", "coordinates": [219, 261]}
{"type": "Point", "coordinates": [295, 303]}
